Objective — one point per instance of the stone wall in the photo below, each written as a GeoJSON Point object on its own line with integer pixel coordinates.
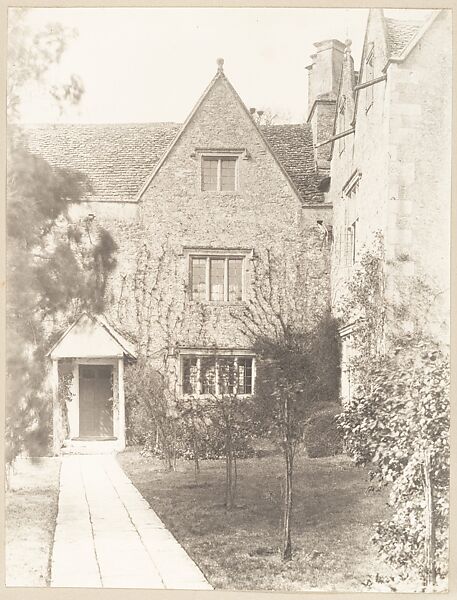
{"type": "Point", "coordinates": [402, 149]}
{"type": "Point", "coordinates": [149, 291]}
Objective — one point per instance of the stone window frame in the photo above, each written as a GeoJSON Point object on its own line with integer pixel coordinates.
{"type": "Point", "coordinates": [346, 246]}
{"type": "Point", "coordinates": [220, 154]}
{"type": "Point", "coordinates": [217, 353]}
{"type": "Point", "coordinates": [244, 254]}
{"type": "Point", "coordinates": [369, 76]}
{"type": "Point", "coordinates": [351, 243]}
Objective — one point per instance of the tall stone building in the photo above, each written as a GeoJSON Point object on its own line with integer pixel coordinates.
{"type": "Point", "coordinates": [388, 145]}
{"type": "Point", "coordinates": [195, 209]}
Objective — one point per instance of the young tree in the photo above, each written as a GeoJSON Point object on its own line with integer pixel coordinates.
{"type": "Point", "coordinates": [229, 414]}
{"type": "Point", "coordinates": [296, 344]}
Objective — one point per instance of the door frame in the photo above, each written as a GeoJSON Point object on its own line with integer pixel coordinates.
{"type": "Point", "coordinates": [99, 404]}
{"type": "Point", "coordinates": [113, 363]}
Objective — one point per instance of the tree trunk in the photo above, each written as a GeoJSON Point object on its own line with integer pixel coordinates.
{"type": "Point", "coordinates": [229, 480]}
{"type": "Point", "coordinates": [195, 449]}
{"type": "Point", "coordinates": [287, 508]}
{"type": "Point", "coordinates": [430, 570]}
{"type": "Point", "coordinates": [287, 521]}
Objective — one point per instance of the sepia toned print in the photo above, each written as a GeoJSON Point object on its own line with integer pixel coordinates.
{"type": "Point", "coordinates": [228, 326]}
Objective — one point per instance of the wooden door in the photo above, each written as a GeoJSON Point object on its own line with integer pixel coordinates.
{"type": "Point", "coordinates": [95, 401]}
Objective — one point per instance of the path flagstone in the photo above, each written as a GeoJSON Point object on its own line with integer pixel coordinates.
{"type": "Point", "coordinates": [108, 536]}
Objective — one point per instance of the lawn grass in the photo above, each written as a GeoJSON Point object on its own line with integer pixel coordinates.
{"type": "Point", "coordinates": [30, 514]}
{"type": "Point", "coordinates": [334, 517]}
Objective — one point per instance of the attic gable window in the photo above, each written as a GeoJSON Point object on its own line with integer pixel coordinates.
{"type": "Point", "coordinates": [219, 173]}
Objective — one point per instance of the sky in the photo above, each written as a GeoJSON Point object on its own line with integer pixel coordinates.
{"type": "Point", "coordinates": [152, 64]}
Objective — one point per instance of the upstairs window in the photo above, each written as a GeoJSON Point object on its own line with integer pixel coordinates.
{"type": "Point", "coordinates": [217, 276]}
{"type": "Point", "coordinates": [216, 375]}
{"type": "Point", "coordinates": [369, 70]}
{"type": "Point", "coordinates": [351, 244]}
{"type": "Point", "coordinates": [218, 173]}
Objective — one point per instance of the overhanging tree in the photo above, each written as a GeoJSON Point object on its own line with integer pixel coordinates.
{"type": "Point", "coordinates": [54, 268]}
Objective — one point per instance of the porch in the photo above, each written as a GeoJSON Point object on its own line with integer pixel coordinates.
{"type": "Point", "coordinates": [88, 388]}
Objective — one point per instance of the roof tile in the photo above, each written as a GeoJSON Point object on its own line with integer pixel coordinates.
{"type": "Point", "coordinates": [117, 159]}
{"type": "Point", "coordinates": [399, 34]}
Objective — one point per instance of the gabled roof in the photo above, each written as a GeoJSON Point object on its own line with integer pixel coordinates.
{"type": "Point", "coordinates": [293, 145]}
{"type": "Point", "coordinates": [92, 337]}
{"type": "Point", "coordinates": [219, 77]}
{"type": "Point", "coordinates": [399, 34]}
{"type": "Point", "coordinates": [117, 159]}
{"type": "Point", "coordinates": [120, 161]}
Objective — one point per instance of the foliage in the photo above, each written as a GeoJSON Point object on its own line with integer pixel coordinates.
{"type": "Point", "coordinates": [148, 395]}
{"type": "Point", "coordinates": [30, 56]}
{"type": "Point", "coordinates": [55, 268]}
{"type": "Point", "coordinates": [397, 421]}
{"type": "Point", "coordinates": [322, 436]}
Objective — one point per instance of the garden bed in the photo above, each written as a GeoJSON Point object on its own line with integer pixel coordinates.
{"type": "Point", "coordinates": [30, 516]}
{"type": "Point", "coordinates": [334, 517]}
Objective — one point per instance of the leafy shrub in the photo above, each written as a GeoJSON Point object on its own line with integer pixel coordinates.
{"type": "Point", "coordinates": [322, 435]}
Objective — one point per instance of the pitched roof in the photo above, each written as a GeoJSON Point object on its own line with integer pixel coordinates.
{"type": "Point", "coordinates": [400, 33]}
{"type": "Point", "coordinates": [118, 159]}
{"type": "Point", "coordinates": [115, 158]}
{"type": "Point", "coordinates": [293, 146]}
{"type": "Point", "coordinates": [91, 336]}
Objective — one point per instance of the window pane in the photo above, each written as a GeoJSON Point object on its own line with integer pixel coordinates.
{"type": "Point", "coordinates": [209, 174]}
{"type": "Point", "coordinates": [189, 375]}
{"type": "Point", "coordinates": [198, 278]}
{"type": "Point", "coordinates": [245, 375]}
{"type": "Point", "coordinates": [228, 173]}
{"type": "Point", "coordinates": [217, 279]}
{"type": "Point", "coordinates": [227, 375]}
{"type": "Point", "coordinates": [235, 282]}
{"type": "Point", "coordinates": [208, 375]}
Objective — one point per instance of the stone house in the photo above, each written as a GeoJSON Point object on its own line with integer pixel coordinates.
{"type": "Point", "coordinates": [195, 209]}
{"type": "Point", "coordinates": [383, 148]}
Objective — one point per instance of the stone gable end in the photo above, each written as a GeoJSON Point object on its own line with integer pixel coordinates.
{"type": "Point", "coordinates": [174, 216]}
{"type": "Point", "coordinates": [264, 200]}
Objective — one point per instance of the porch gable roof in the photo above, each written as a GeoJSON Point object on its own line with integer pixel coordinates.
{"type": "Point", "coordinates": [91, 337]}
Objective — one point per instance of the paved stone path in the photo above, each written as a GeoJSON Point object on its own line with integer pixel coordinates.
{"type": "Point", "coordinates": [108, 536]}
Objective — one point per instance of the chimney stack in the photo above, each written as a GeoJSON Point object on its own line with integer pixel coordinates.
{"type": "Point", "coordinates": [324, 75]}
{"type": "Point", "coordinates": [325, 70]}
